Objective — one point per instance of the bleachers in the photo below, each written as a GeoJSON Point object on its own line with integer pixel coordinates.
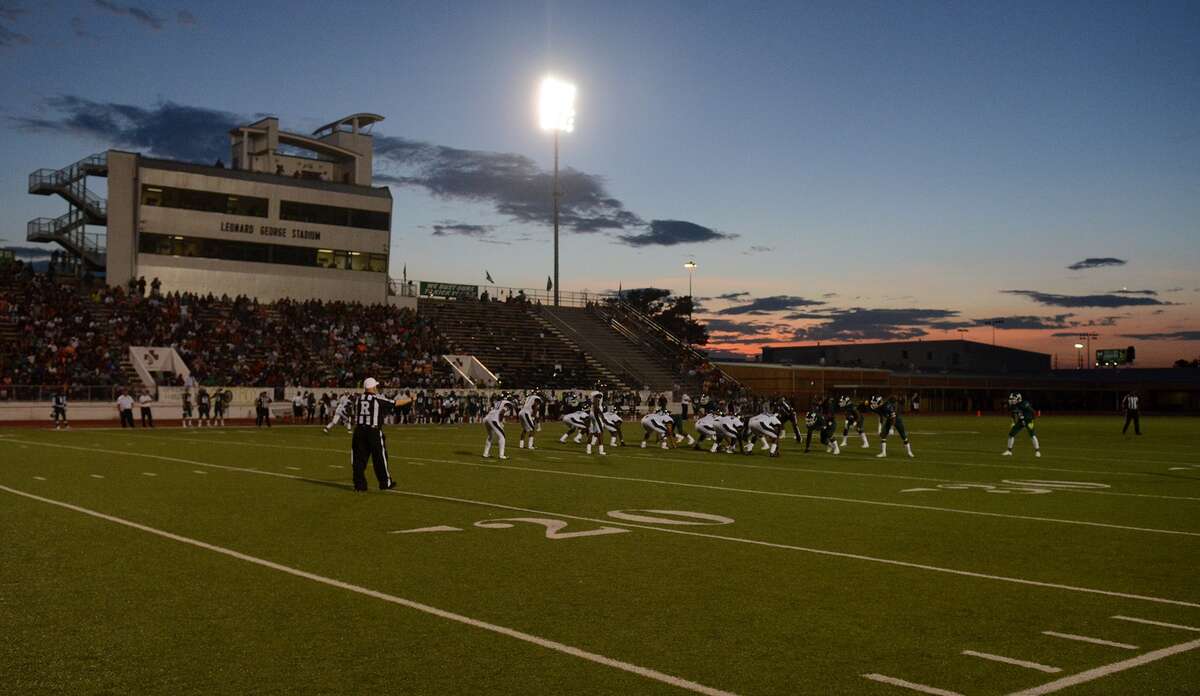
{"type": "Point", "coordinates": [516, 344]}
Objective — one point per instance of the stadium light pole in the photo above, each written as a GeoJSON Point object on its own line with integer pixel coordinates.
{"type": "Point", "coordinates": [556, 112]}
{"type": "Point", "coordinates": [1078, 356]}
{"type": "Point", "coordinates": [691, 269]}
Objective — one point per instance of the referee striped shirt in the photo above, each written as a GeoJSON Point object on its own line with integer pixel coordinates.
{"type": "Point", "coordinates": [371, 410]}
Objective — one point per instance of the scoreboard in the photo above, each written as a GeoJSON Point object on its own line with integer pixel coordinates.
{"type": "Point", "coordinates": [1111, 357]}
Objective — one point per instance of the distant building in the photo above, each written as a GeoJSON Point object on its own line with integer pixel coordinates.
{"type": "Point", "coordinates": [291, 216]}
{"type": "Point", "coordinates": [950, 356]}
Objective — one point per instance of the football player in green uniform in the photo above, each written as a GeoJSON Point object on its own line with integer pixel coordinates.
{"type": "Point", "coordinates": [890, 415]}
{"type": "Point", "coordinates": [853, 417]}
{"type": "Point", "coordinates": [1022, 417]}
{"type": "Point", "coordinates": [816, 420]}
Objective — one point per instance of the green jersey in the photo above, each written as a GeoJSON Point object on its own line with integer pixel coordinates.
{"type": "Point", "coordinates": [1023, 413]}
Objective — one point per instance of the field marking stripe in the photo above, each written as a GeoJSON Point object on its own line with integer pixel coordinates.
{"type": "Point", "coordinates": [804, 470]}
{"type": "Point", "coordinates": [1013, 661]}
{"type": "Point", "coordinates": [1181, 627]}
{"type": "Point", "coordinates": [1109, 669]}
{"type": "Point", "coordinates": [376, 594]}
{"type": "Point", "coordinates": [809, 496]}
{"type": "Point", "coordinates": [884, 679]}
{"type": "Point", "coordinates": [1088, 639]}
{"type": "Point", "coordinates": [754, 542]}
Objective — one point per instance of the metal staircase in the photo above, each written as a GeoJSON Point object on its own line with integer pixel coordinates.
{"type": "Point", "coordinates": [86, 208]}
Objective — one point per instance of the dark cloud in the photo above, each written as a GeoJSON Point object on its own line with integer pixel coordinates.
{"type": "Point", "coordinates": [1105, 300]}
{"type": "Point", "coordinates": [1173, 290]}
{"type": "Point", "coordinates": [140, 14]}
{"type": "Point", "coordinates": [28, 252]}
{"type": "Point", "coordinates": [185, 17]}
{"type": "Point", "coordinates": [758, 249]}
{"type": "Point", "coordinates": [774, 303]}
{"type": "Point", "coordinates": [732, 296]}
{"type": "Point", "coordinates": [79, 29]}
{"type": "Point", "coordinates": [167, 130]}
{"type": "Point", "coordinates": [1096, 262]}
{"type": "Point", "coordinates": [1058, 321]}
{"type": "Point", "coordinates": [449, 228]}
{"type": "Point", "coordinates": [1125, 291]}
{"type": "Point", "coordinates": [747, 328]}
{"type": "Point", "coordinates": [12, 38]}
{"type": "Point", "coordinates": [513, 184]}
{"type": "Point", "coordinates": [1189, 335]}
{"type": "Point", "coordinates": [672, 232]}
{"type": "Point", "coordinates": [858, 323]}
{"type": "Point", "coordinates": [11, 11]}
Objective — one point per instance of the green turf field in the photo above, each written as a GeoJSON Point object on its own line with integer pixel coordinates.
{"type": "Point", "coordinates": [239, 561]}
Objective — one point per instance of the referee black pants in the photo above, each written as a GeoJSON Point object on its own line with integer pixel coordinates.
{"type": "Point", "coordinates": [369, 443]}
{"type": "Point", "coordinates": [1132, 417]}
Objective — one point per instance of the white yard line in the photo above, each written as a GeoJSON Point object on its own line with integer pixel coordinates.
{"type": "Point", "coordinates": [1087, 639]}
{"type": "Point", "coordinates": [1013, 661]}
{"type": "Point", "coordinates": [904, 684]}
{"type": "Point", "coordinates": [149, 473]}
{"type": "Point", "coordinates": [663, 530]}
{"type": "Point", "coordinates": [1148, 622]}
{"type": "Point", "coordinates": [1109, 669]}
{"type": "Point", "coordinates": [806, 496]}
{"type": "Point", "coordinates": [411, 604]}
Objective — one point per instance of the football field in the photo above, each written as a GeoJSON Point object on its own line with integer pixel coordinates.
{"type": "Point", "coordinates": [239, 561]}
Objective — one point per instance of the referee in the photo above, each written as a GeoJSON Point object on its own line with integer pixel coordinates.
{"type": "Point", "coordinates": [1131, 413]}
{"type": "Point", "coordinates": [369, 441]}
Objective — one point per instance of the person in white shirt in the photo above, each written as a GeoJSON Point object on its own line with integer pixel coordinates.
{"type": "Point", "coordinates": [493, 422]}
{"type": "Point", "coordinates": [341, 414]}
{"type": "Point", "coordinates": [147, 417]}
{"type": "Point", "coordinates": [125, 409]}
{"type": "Point", "coordinates": [529, 419]}
{"type": "Point", "coordinates": [612, 424]}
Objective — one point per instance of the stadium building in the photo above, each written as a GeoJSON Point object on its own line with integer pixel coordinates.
{"type": "Point", "coordinates": [948, 356]}
{"type": "Point", "coordinates": [291, 216]}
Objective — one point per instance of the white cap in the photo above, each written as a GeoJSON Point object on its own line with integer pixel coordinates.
{"type": "Point", "coordinates": [370, 383]}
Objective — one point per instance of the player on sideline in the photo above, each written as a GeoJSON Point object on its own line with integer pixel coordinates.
{"type": "Point", "coordinates": [825, 427]}
{"type": "Point", "coordinates": [221, 405]}
{"type": "Point", "coordinates": [493, 423]}
{"type": "Point", "coordinates": [58, 409]}
{"type": "Point", "coordinates": [341, 414]}
{"type": "Point", "coordinates": [1022, 417]}
{"type": "Point", "coordinates": [596, 423]}
{"type": "Point", "coordinates": [661, 424]}
{"type": "Point", "coordinates": [767, 426]}
{"type": "Point", "coordinates": [576, 422]}
{"type": "Point", "coordinates": [368, 441]}
{"type": "Point", "coordinates": [202, 405]}
{"type": "Point", "coordinates": [853, 416]}
{"type": "Point", "coordinates": [1130, 402]}
{"type": "Point", "coordinates": [187, 408]}
{"type": "Point", "coordinates": [529, 419]}
{"type": "Point", "coordinates": [890, 418]}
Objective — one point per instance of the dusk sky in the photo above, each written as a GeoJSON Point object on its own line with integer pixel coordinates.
{"type": "Point", "coordinates": [838, 171]}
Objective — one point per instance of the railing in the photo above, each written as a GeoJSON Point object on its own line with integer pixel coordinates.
{"type": "Point", "coordinates": [669, 338]}
{"type": "Point", "coordinates": [73, 180]}
{"type": "Point", "coordinates": [70, 227]}
{"type": "Point", "coordinates": [627, 372]}
{"type": "Point", "coordinates": [567, 298]}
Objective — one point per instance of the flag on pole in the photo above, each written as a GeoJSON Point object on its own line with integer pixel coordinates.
{"type": "Point", "coordinates": [405, 277]}
{"type": "Point", "coordinates": [549, 284]}
{"type": "Point", "coordinates": [618, 290]}
{"type": "Point", "coordinates": [488, 275]}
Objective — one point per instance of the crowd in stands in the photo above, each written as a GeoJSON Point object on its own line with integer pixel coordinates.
{"type": "Point", "coordinates": [53, 335]}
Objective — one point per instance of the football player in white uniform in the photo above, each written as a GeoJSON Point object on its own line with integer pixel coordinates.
{"type": "Point", "coordinates": [769, 427]}
{"type": "Point", "coordinates": [730, 430]}
{"type": "Point", "coordinates": [529, 419]}
{"type": "Point", "coordinates": [493, 423]}
{"type": "Point", "coordinates": [612, 425]}
{"type": "Point", "coordinates": [707, 428]}
{"type": "Point", "coordinates": [342, 414]}
{"type": "Point", "coordinates": [661, 424]}
{"type": "Point", "coordinates": [596, 423]}
{"type": "Point", "coordinates": [577, 422]}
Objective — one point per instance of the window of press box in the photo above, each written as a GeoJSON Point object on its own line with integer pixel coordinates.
{"type": "Point", "coordinates": [206, 201]}
{"type": "Point", "coordinates": [230, 250]}
{"type": "Point", "coordinates": [334, 215]}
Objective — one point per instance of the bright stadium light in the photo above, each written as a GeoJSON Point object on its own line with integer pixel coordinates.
{"type": "Point", "coordinates": [556, 105]}
{"type": "Point", "coordinates": [556, 113]}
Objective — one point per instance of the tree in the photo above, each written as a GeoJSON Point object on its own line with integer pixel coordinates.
{"type": "Point", "coordinates": [1185, 363]}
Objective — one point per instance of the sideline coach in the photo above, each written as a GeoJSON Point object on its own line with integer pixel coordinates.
{"type": "Point", "coordinates": [368, 441]}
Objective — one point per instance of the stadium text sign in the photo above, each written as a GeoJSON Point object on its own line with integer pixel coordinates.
{"type": "Point", "coordinates": [449, 290]}
{"type": "Point", "coordinates": [271, 231]}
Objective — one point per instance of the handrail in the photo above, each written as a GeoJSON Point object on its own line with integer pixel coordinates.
{"type": "Point", "coordinates": [672, 338]}
{"type": "Point", "coordinates": [625, 367]}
